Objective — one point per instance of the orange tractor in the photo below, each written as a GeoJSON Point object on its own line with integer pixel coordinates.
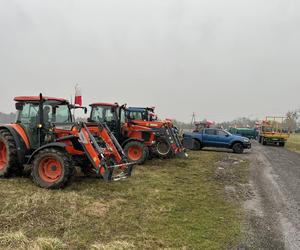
{"type": "Point", "coordinates": [139, 138]}
{"type": "Point", "coordinates": [168, 138]}
{"type": "Point", "coordinates": [46, 140]}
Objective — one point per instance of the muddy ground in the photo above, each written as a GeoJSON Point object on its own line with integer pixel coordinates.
{"type": "Point", "coordinates": [274, 209]}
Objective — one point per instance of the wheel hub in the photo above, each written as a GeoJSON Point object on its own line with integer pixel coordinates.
{"type": "Point", "coordinates": [50, 169]}
{"type": "Point", "coordinates": [135, 153]}
{"type": "Point", "coordinates": [53, 168]}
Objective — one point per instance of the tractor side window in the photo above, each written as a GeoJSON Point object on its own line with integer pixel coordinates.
{"type": "Point", "coordinates": [28, 115]}
{"type": "Point", "coordinates": [122, 116]}
{"type": "Point", "coordinates": [103, 114]}
{"type": "Point", "coordinates": [136, 116]}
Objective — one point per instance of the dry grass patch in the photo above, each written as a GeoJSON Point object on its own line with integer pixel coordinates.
{"type": "Point", "coordinates": [171, 204]}
{"type": "Point", "coordinates": [293, 143]}
{"type": "Point", "coordinates": [115, 245]}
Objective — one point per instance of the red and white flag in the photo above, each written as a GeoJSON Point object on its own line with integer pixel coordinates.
{"type": "Point", "coordinates": [78, 96]}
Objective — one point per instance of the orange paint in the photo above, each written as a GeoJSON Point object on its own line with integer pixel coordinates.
{"type": "Point", "coordinates": [22, 133]}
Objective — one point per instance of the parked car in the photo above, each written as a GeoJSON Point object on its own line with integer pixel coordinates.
{"type": "Point", "coordinates": [217, 138]}
{"type": "Point", "coordinates": [250, 133]}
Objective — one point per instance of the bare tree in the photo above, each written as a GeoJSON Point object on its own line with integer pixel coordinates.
{"type": "Point", "coordinates": [292, 117]}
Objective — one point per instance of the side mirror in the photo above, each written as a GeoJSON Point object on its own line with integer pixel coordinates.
{"type": "Point", "coordinates": [85, 110]}
{"type": "Point", "coordinates": [19, 106]}
{"type": "Point", "coordinates": [227, 135]}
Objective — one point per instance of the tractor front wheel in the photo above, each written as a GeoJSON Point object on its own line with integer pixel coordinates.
{"type": "Point", "coordinates": [8, 155]}
{"type": "Point", "coordinates": [163, 149]}
{"type": "Point", "coordinates": [136, 152]}
{"type": "Point", "coordinates": [52, 169]}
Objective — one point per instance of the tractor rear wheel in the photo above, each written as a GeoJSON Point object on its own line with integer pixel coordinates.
{"type": "Point", "coordinates": [136, 152]}
{"type": "Point", "coordinates": [238, 148]}
{"type": "Point", "coordinates": [8, 155]}
{"type": "Point", "coordinates": [52, 169]}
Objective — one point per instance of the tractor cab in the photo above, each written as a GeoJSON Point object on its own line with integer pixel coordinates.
{"type": "Point", "coordinates": [37, 114]}
{"type": "Point", "coordinates": [144, 114]}
{"type": "Point", "coordinates": [112, 115]}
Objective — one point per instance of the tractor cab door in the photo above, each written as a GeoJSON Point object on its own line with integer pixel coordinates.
{"type": "Point", "coordinates": [28, 118]}
{"type": "Point", "coordinates": [122, 120]}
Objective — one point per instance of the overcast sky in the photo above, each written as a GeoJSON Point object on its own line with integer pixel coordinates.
{"type": "Point", "coordinates": [221, 59]}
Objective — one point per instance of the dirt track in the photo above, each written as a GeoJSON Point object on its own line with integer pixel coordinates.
{"type": "Point", "coordinates": [274, 211]}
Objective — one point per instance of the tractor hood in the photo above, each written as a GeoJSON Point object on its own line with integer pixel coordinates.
{"type": "Point", "coordinates": [148, 123]}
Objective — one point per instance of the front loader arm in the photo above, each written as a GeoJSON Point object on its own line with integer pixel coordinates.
{"type": "Point", "coordinates": [104, 164]}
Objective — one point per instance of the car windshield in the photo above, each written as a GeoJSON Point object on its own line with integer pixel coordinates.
{"type": "Point", "coordinates": [228, 132]}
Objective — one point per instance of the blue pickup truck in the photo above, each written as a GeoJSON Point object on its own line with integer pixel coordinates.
{"type": "Point", "coordinates": [217, 138]}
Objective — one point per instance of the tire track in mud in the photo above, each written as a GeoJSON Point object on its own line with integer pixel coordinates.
{"type": "Point", "coordinates": [274, 211]}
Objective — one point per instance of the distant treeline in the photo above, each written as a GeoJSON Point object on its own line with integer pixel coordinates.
{"type": "Point", "coordinates": [7, 118]}
{"type": "Point", "coordinates": [239, 122]}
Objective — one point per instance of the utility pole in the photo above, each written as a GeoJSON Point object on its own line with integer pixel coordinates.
{"type": "Point", "coordinates": [193, 120]}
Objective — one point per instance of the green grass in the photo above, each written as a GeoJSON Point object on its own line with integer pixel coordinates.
{"type": "Point", "coordinates": [175, 204]}
{"type": "Point", "coordinates": [293, 143]}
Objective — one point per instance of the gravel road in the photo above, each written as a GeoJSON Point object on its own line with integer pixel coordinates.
{"type": "Point", "coordinates": [274, 210]}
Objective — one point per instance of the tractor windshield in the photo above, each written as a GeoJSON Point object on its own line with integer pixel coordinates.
{"type": "Point", "coordinates": [136, 115]}
{"type": "Point", "coordinates": [106, 114]}
{"type": "Point", "coordinates": [56, 112]}
{"type": "Point", "coordinates": [103, 114]}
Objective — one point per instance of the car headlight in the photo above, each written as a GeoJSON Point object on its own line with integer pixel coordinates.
{"type": "Point", "coordinates": [246, 140]}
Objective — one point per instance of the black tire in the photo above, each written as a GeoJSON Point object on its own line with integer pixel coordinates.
{"type": "Point", "coordinates": [196, 145]}
{"type": "Point", "coordinates": [9, 165]}
{"type": "Point", "coordinates": [148, 154]}
{"type": "Point", "coordinates": [259, 139]}
{"type": "Point", "coordinates": [63, 178]}
{"type": "Point", "coordinates": [163, 149]}
{"type": "Point", "coordinates": [238, 148]}
{"type": "Point", "coordinates": [136, 152]}
{"type": "Point", "coordinates": [264, 142]}
{"type": "Point", "coordinates": [281, 144]}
